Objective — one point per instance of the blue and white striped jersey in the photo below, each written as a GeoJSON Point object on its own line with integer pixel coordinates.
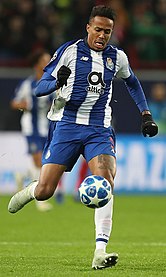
{"type": "Point", "coordinates": [89, 87]}
{"type": "Point", "coordinates": [34, 120]}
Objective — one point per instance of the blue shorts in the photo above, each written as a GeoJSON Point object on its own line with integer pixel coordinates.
{"type": "Point", "coordinates": [35, 144]}
{"type": "Point", "coordinates": [67, 141]}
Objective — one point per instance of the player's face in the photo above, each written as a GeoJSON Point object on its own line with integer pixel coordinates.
{"type": "Point", "coordinates": [99, 32]}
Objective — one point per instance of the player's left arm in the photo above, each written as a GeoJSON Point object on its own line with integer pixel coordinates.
{"type": "Point", "coordinates": [148, 127]}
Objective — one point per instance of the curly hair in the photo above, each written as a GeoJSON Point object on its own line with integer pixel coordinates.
{"type": "Point", "coordinates": [102, 11]}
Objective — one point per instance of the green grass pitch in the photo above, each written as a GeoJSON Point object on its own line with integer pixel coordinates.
{"type": "Point", "coordinates": [61, 242]}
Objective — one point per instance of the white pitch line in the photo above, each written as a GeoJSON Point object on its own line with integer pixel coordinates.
{"type": "Point", "coordinates": [156, 244]}
{"type": "Point", "coordinates": [36, 243]}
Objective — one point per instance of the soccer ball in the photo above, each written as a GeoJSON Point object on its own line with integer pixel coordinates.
{"type": "Point", "coordinates": [95, 191]}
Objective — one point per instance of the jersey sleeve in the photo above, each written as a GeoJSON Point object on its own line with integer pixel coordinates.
{"type": "Point", "coordinates": [59, 58]}
{"type": "Point", "coordinates": [132, 83]}
{"type": "Point", "coordinates": [123, 68]}
{"type": "Point", "coordinates": [47, 84]}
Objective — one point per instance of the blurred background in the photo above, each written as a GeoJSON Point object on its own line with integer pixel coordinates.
{"type": "Point", "coordinates": [140, 29]}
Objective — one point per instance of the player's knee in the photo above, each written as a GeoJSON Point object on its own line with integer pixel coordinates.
{"type": "Point", "coordinates": [107, 175]}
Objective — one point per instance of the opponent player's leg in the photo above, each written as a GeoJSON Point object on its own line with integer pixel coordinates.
{"type": "Point", "coordinates": [104, 165]}
{"type": "Point", "coordinates": [39, 190]}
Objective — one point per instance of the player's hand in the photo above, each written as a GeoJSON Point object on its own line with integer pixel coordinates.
{"type": "Point", "coordinates": [148, 127]}
{"type": "Point", "coordinates": [62, 76]}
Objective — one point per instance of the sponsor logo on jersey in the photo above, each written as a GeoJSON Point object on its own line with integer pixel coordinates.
{"type": "Point", "coordinates": [109, 64]}
{"type": "Point", "coordinates": [96, 83]}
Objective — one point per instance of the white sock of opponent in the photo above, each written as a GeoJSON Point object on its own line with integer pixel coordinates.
{"type": "Point", "coordinates": [103, 224]}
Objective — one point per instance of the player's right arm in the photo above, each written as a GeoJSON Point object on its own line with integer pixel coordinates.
{"type": "Point", "coordinates": [56, 72]}
{"type": "Point", "coordinates": [47, 84]}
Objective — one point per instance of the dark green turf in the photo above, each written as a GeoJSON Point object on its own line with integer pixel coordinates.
{"type": "Point", "coordinates": [61, 242]}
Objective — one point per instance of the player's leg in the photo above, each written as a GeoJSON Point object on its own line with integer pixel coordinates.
{"type": "Point", "coordinates": [58, 155]}
{"type": "Point", "coordinates": [82, 173]}
{"type": "Point", "coordinates": [104, 165]}
{"type": "Point", "coordinates": [48, 181]}
{"type": "Point", "coordinates": [39, 190]}
{"type": "Point", "coordinates": [35, 147]}
{"type": "Point", "coordinates": [99, 152]}
{"type": "Point", "coordinates": [35, 172]}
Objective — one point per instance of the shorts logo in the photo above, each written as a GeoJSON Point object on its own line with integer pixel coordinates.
{"type": "Point", "coordinates": [48, 154]}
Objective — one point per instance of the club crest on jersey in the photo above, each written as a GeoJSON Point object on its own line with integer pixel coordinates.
{"type": "Point", "coordinates": [96, 83]}
{"type": "Point", "coordinates": [109, 64]}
